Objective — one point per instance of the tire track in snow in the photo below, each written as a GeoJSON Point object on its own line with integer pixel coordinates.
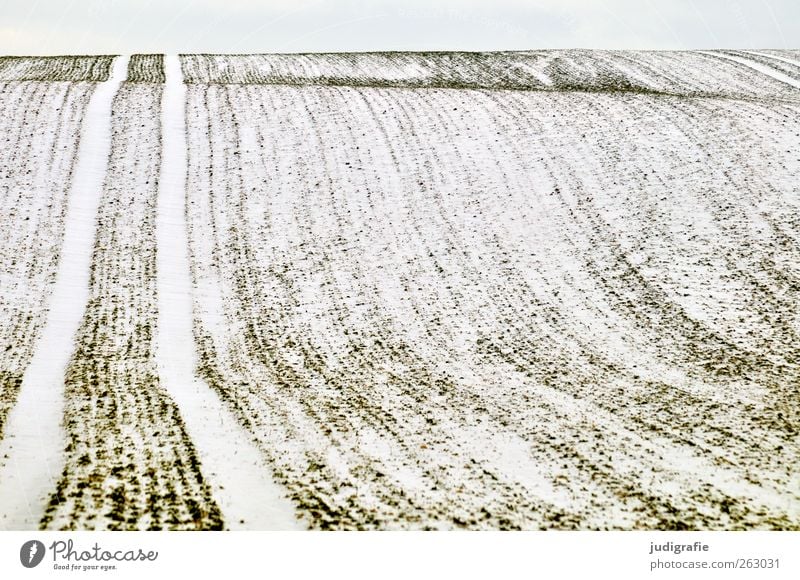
{"type": "Point", "coordinates": [232, 464]}
{"type": "Point", "coordinates": [32, 448]}
{"type": "Point", "coordinates": [774, 57]}
{"type": "Point", "coordinates": [129, 462]}
{"type": "Point", "coordinates": [778, 76]}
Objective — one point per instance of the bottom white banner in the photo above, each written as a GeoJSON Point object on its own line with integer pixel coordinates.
{"type": "Point", "coordinates": [373, 555]}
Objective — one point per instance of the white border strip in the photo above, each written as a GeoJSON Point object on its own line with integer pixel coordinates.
{"type": "Point", "coordinates": [371, 555]}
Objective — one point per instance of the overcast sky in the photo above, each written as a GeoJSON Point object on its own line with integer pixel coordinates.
{"type": "Point", "coordinates": [126, 26]}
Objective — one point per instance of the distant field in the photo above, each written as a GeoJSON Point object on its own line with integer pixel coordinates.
{"type": "Point", "coordinates": [687, 73]}
{"type": "Point", "coordinates": [523, 290]}
{"type": "Point", "coordinates": [55, 68]}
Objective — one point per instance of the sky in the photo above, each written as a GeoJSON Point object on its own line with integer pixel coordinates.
{"type": "Point", "coordinates": [31, 27]}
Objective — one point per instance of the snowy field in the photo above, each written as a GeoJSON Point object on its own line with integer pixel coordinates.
{"type": "Point", "coordinates": [525, 290]}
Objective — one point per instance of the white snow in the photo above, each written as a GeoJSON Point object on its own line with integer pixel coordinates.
{"type": "Point", "coordinates": [31, 452]}
{"type": "Point", "coordinates": [232, 464]}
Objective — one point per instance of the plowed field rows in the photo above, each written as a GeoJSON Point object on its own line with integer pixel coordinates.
{"type": "Point", "coordinates": [536, 290]}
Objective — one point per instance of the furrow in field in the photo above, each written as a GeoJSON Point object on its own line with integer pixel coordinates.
{"type": "Point", "coordinates": [699, 74]}
{"type": "Point", "coordinates": [361, 361]}
{"type": "Point", "coordinates": [725, 439]}
{"type": "Point", "coordinates": [146, 68]}
{"type": "Point", "coordinates": [530, 335]}
{"type": "Point", "coordinates": [571, 304]}
{"type": "Point", "coordinates": [770, 70]}
{"type": "Point", "coordinates": [773, 56]}
{"type": "Point", "coordinates": [56, 68]}
{"type": "Point", "coordinates": [784, 65]}
{"type": "Point", "coordinates": [684, 73]}
{"type": "Point", "coordinates": [286, 374]}
{"type": "Point", "coordinates": [444, 210]}
{"type": "Point", "coordinates": [375, 345]}
{"type": "Point", "coordinates": [791, 56]}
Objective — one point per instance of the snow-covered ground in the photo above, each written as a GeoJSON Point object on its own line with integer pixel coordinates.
{"type": "Point", "coordinates": [550, 289]}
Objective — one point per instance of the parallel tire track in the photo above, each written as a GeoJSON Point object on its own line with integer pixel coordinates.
{"type": "Point", "coordinates": [32, 448]}
{"type": "Point", "coordinates": [130, 463]}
